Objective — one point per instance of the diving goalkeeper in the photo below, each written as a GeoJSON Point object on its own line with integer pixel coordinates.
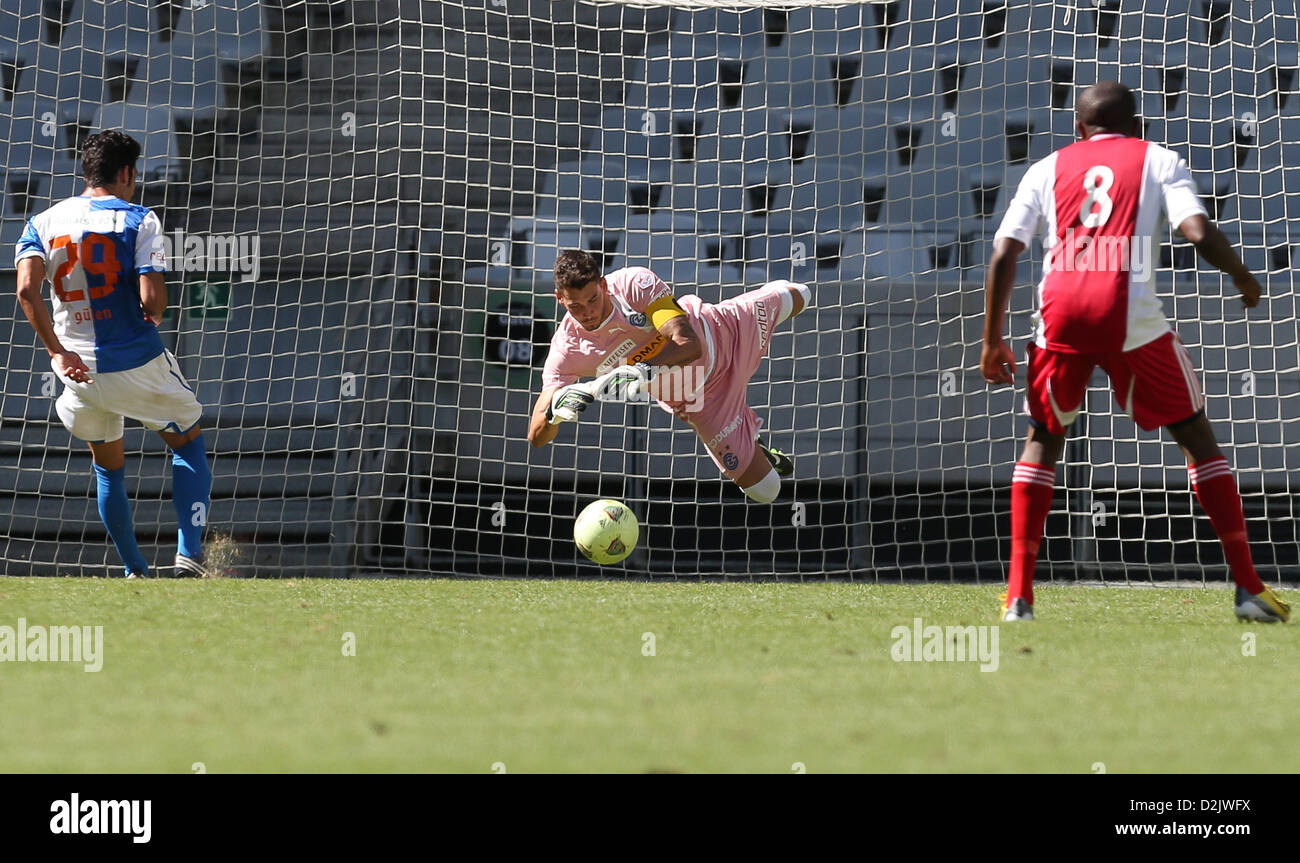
{"type": "Point", "coordinates": [694, 358]}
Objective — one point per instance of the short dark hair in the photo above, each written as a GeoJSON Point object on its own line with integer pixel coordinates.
{"type": "Point", "coordinates": [105, 154]}
{"type": "Point", "coordinates": [1107, 105]}
{"type": "Point", "coordinates": [575, 268]}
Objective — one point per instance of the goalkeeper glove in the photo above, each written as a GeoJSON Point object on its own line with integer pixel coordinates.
{"type": "Point", "coordinates": [567, 403]}
{"type": "Point", "coordinates": [625, 383]}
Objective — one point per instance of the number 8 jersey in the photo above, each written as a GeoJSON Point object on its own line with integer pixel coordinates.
{"type": "Point", "coordinates": [1099, 204]}
{"type": "Point", "coordinates": [94, 250]}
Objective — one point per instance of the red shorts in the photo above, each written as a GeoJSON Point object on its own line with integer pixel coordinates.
{"type": "Point", "coordinates": [1156, 384]}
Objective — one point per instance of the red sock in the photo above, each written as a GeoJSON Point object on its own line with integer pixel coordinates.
{"type": "Point", "coordinates": [1031, 498]}
{"type": "Point", "coordinates": [1217, 492]}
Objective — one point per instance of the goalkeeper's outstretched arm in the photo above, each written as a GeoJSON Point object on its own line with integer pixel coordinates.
{"type": "Point", "coordinates": [541, 430]}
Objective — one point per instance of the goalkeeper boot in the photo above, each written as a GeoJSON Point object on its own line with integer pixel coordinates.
{"type": "Point", "coordinates": [1017, 609]}
{"type": "Point", "coordinates": [188, 567]}
{"type": "Point", "coordinates": [1264, 607]}
{"type": "Point", "coordinates": [781, 463]}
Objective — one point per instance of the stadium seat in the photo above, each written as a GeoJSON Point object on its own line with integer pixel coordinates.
{"type": "Point", "coordinates": [1005, 83]}
{"type": "Point", "coordinates": [25, 193]}
{"type": "Point", "coordinates": [909, 83]}
{"type": "Point", "coordinates": [1281, 77]}
{"type": "Point", "coordinates": [828, 195]}
{"type": "Point", "coordinates": [991, 188]}
{"type": "Point", "coordinates": [777, 82]}
{"type": "Point", "coordinates": [750, 135]}
{"type": "Point", "coordinates": [70, 74]}
{"type": "Point", "coordinates": [994, 139]}
{"type": "Point", "coordinates": [36, 136]}
{"type": "Point", "coordinates": [853, 135]}
{"type": "Point", "coordinates": [830, 31]}
{"type": "Point", "coordinates": [940, 25]}
{"type": "Point", "coordinates": [544, 246]}
{"type": "Point", "coordinates": [20, 25]}
{"type": "Point", "coordinates": [184, 75]}
{"type": "Point", "coordinates": [713, 194]}
{"type": "Point", "coordinates": [741, 31]}
{"type": "Point", "coordinates": [690, 75]}
{"type": "Point", "coordinates": [643, 141]}
{"type": "Point", "coordinates": [902, 253]}
{"type": "Point", "coordinates": [151, 125]}
{"type": "Point", "coordinates": [797, 255]}
{"type": "Point", "coordinates": [668, 244]}
{"type": "Point", "coordinates": [595, 196]}
{"type": "Point", "coordinates": [232, 29]}
{"type": "Point", "coordinates": [939, 196]}
{"type": "Point", "coordinates": [114, 28]}
{"type": "Point", "coordinates": [535, 243]}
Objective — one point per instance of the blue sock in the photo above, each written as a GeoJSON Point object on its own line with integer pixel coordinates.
{"type": "Point", "coordinates": [191, 488]}
{"type": "Point", "coordinates": [115, 510]}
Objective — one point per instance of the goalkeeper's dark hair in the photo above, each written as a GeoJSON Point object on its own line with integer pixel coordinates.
{"type": "Point", "coordinates": [105, 154]}
{"type": "Point", "coordinates": [574, 269]}
{"type": "Point", "coordinates": [1107, 105]}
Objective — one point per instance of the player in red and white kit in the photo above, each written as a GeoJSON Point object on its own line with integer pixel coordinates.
{"type": "Point", "coordinates": [694, 358]}
{"type": "Point", "coordinates": [1099, 204]}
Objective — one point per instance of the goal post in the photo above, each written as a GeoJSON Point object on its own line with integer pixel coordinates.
{"type": "Point", "coordinates": [364, 202]}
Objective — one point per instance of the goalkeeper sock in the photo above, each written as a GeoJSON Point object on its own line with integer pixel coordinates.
{"type": "Point", "coordinates": [1032, 486]}
{"type": "Point", "coordinates": [1217, 491]}
{"type": "Point", "coordinates": [191, 487]}
{"type": "Point", "coordinates": [115, 512]}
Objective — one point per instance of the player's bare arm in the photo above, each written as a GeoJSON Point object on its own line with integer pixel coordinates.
{"type": "Point", "coordinates": [153, 296]}
{"type": "Point", "coordinates": [541, 430]}
{"type": "Point", "coordinates": [31, 273]}
{"type": "Point", "coordinates": [1214, 247]}
{"type": "Point", "coordinates": [682, 346]}
{"type": "Point", "coordinates": [996, 360]}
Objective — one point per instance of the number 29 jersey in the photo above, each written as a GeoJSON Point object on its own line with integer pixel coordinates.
{"type": "Point", "coordinates": [1099, 204]}
{"type": "Point", "coordinates": [94, 249]}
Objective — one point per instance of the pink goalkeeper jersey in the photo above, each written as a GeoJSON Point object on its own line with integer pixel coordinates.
{"type": "Point", "coordinates": [1099, 204]}
{"type": "Point", "coordinates": [626, 336]}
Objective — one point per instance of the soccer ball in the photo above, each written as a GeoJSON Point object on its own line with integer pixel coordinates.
{"type": "Point", "coordinates": [606, 531]}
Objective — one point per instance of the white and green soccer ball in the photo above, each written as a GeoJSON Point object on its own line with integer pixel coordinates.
{"type": "Point", "coordinates": [606, 531]}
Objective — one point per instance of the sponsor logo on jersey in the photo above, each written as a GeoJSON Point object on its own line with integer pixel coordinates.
{"type": "Point", "coordinates": [648, 351]}
{"type": "Point", "coordinates": [615, 356]}
{"type": "Point", "coordinates": [760, 316]}
{"type": "Point", "coordinates": [727, 431]}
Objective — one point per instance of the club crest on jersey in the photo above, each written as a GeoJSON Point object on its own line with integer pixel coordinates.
{"type": "Point", "coordinates": [645, 280]}
{"type": "Point", "coordinates": [636, 319]}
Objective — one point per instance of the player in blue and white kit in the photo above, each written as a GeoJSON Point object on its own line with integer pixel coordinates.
{"type": "Point", "coordinates": [105, 259]}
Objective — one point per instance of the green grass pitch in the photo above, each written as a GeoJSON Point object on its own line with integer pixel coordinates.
{"type": "Point", "coordinates": [526, 676]}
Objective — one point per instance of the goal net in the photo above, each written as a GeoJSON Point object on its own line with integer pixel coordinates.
{"type": "Point", "coordinates": [363, 202]}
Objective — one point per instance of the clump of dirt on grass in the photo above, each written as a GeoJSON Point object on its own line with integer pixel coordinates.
{"type": "Point", "coordinates": [223, 556]}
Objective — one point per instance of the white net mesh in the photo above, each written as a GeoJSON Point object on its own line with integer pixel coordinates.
{"type": "Point", "coordinates": [409, 170]}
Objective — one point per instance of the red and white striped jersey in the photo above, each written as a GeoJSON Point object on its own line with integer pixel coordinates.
{"type": "Point", "coordinates": [1099, 204]}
